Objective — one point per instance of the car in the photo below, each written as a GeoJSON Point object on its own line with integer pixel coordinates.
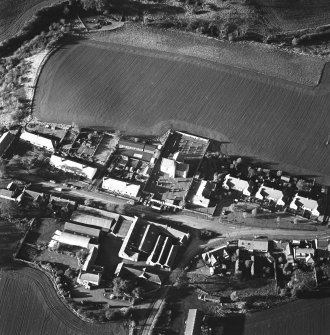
{"type": "Point", "coordinates": [52, 181]}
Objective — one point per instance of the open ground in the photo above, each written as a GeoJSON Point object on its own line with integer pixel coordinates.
{"type": "Point", "coordinates": [147, 91]}
{"type": "Point", "coordinates": [15, 13]}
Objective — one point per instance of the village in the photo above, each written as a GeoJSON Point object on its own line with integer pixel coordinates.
{"type": "Point", "coordinates": [104, 252]}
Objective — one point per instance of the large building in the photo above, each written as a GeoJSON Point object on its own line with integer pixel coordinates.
{"type": "Point", "coordinates": [75, 167]}
{"type": "Point", "coordinates": [121, 187]}
{"type": "Point", "coordinates": [39, 141]}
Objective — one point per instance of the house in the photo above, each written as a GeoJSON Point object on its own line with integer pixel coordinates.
{"type": "Point", "coordinates": [193, 322]}
{"type": "Point", "coordinates": [7, 141]}
{"type": "Point", "coordinates": [236, 184]}
{"type": "Point", "coordinates": [254, 244]}
{"type": "Point", "coordinates": [75, 167]}
{"type": "Point", "coordinates": [82, 230]}
{"type": "Point", "coordinates": [270, 194]}
{"type": "Point", "coordinates": [121, 187]}
{"type": "Point", "coordinates": [7, 194]}
{"type": "Point", "coordinates": [39, 141]}
{"type": "Point", "coordinates": [305, 204]}
{"type": "Point", "coordinates": [74, 239]}
{"type": "Point", "coordinates": [304, 254]}
{"type": "Point", "coordinates": [201, 198]}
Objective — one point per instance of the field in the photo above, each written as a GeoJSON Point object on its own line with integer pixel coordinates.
{"type": "Point", "coordinates": [146, 91]}
{"type": "Point", "coordinates": [29, 305]}
{"type": "Point", "coordinates": [286, 15]}
{"type": "Point", "coordinates": [15, 13]}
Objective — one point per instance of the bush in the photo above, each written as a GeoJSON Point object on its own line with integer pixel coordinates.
{"type": "Point", "coordinates": [113, 315]}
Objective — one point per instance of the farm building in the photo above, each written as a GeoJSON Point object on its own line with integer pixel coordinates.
{"type": "Point", "coordinates": [7, 142]}
{"type": "Point", "coordinates": [90, 260]}
{"type": "Point", "coordinates": [271, 194]}
{"type": "Point", "coordinates": [254, 244]}
{"type": "Point", "coordinates": [75, 167]}
{"type": "Point", "coordinates": [73, 239]}
{"type": "Point", "coordinates": [305, 204]}
{"type": "Point", "coordinates": [82, 230]}
{"type": "Point", "coordinates": [39, 141]}
{"type": "Point", "coordinates": [152, 242]}
{"type": "Point", "coordinates": [236, 184]}
{"type": "Point", "coordinates": [194, 322]}
{"type": "Point", "coordinates": [121, 187]}
{"type": "Point", "coordinates": [94, 221]}
{"type": "Point", "coordinates": [124, 270]}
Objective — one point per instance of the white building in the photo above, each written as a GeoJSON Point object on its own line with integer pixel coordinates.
{"type": "Point", "coordinates": [174, 168]}
{"type": "Point", "coordinates": [270, 194]}
{"type": "Point", "coordinates": [306, 204]}
{"type": "Point", "coordinates": [240, 185]}
{"type": "Point", "coordinates": [72, 239]}
{"type": "Point", "coordinates": [121, 187]}
{"type": "Point", "coordinates": [198, 199]}
{"type": "Point", "coordinates": [68, 165]}
{"type": "Point", "coordinates": [39, 141]}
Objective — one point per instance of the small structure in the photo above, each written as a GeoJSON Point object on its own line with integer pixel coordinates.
{"type": "Point", "coordinates": [201, 198]}
{"type": "Point", "coordinates": [121, 187]}
{"type": "Point", "coordinates": [39, 141]}
{"type": "Point", "coordinates": [305, 204]}
{"type": "Point", "coordinates": [174, 168]}
{"type": "Point", "coordinates": [194, 322]}
{"type": "Point", "coordinates": [254, 244]}
{"type": "Point", "coordinates": [72, 239]}
{"type": "Point", "coordinates": [271, 194]}
{"type": "Point", "coordinates": [236, 184]}
{"type": "Point", "coordinates": [87, 279]}
{"type": "Point", "coordinates": [75, 167]}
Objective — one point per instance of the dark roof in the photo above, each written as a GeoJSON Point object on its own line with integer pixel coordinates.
{"type": "Point", "coordinates": [125, 143]}
{"type": "Point", "coordinates": [80, 229]}
{"type": "Point", "coordinates": [6, 141]}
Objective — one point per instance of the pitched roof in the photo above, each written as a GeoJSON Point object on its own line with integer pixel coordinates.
{"type": "Point", "coordinates": [93, 278]}
{"type": "Point", "coordinates": [92, 220]}
{"type": "Point", "coordinates": [307, 204]}
{"type": "Point", "coordinates": [236, 184]}
{"type": "Point", "coordinates": [80, 229]}
{"type": "Point", "coordinates": [257, 244]}
{"type": "Point", "coordinates": [72, 239]}
{"type": "Point", "coordinates": [5, 142]}
{"type": "Point", "coordinates": [271, 194]}
{"type": "Point", "coordinates": [38, 140]}
{"type": "Point", "coordinates": [72, 166]}
{"type": "Point", "coordinates": [121, 187]}
{"type": "Point", "coordinates": [194, 322]}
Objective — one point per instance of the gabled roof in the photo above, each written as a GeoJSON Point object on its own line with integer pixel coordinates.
{"type": "Point", "coordinates": [92, 220]}
{"type": "Point", "coordinates": [38, 140]}
{"type": "Point", "coordinates": [6, 141]}
{"type": "Point", "coordinates": [236, 184]}
{"type": "Point", "coordinates": [271, 194]}
{"type": "Point", "coordinates": [80, 229]}
{"type": "Point", "coordinates": [307, 204]}
{"type": "Point", "coordinates": [121, 187]}
{"type": "Point", "coordinates": [72, 239]}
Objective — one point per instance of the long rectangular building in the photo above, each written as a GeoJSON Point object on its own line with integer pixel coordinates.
{"type": "Point", "coordinates": [121, 187]}
{"type": "Point", "coordinates": [39, 141]}
{"type": "Point", "coordinates": [82, 230]}
{"type": "Point", "coordinates": [93, 221]}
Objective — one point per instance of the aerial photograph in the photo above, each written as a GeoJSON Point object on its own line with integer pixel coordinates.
{"type": "Point", "coordinates": [165, 167]}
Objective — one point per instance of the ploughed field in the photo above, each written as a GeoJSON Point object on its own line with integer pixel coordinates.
{"type": "Point", "coordinates": [147, 91]}
{"type": "Point", "coordinates": [30, 305]}
{"type": "Point", "coordinates": [15, 13]}
{"type": "Point", "coordinates": [286, 15]}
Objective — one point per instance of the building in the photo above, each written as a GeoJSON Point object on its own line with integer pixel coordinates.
{"type": "Point", "coordinates": [7, 194]}
{"type": "Point", "coordinates": [201, 198]}
{"type": "Point", "coordinates": [90, 260]}
{"type": "Point", "coordinates": [93, 221]}
{"type": "Point", "coordinates": [87, 279]}
{"type": "Point", "coordinates": [270, 194]}
{"type": "Point", "coordinates": [82, 230]}
{"type": "Point", "coordinates": [305, 204]}
{"type": "Point", "coordinates": [75, 167]}
{"type": "Point", "coordinates": [304, 254]}
{"type": "Point", "coordinates": [7, 141]}
{"type": "Point", "coordinates": [74, 239]}
{"type": "Point", "coordinates": [121, 187]}
{"type": "Point", "coordinates": [194, 322]}
{"type": "Point", "coordinates": [39, 141]}
{"type": "Point", "coordinates": [174, 169]}
{"type": "Point", "coordinates": [254, 244]}
{"type": "Point", "coordinates": [236, 184]}
{"type": "Point", "coordinates": [137, 146]}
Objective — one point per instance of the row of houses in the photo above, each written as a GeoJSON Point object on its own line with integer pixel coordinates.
{"type": "Point", "coordinates": [271, 194]}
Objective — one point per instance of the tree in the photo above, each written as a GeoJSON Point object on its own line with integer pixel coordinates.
{"type": "Point", "coordinates": [9, 209]}
{"type": "Point", "coordinates": [121, 286]}
{"type": "Point", "coordinates": [89, 202]}
{"type": "Point", "coordinates": [3, 169]}
{"type": "Point", "coordinates": [113, 315]}
{"type": "Point", "coordinates": [137, 293]}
